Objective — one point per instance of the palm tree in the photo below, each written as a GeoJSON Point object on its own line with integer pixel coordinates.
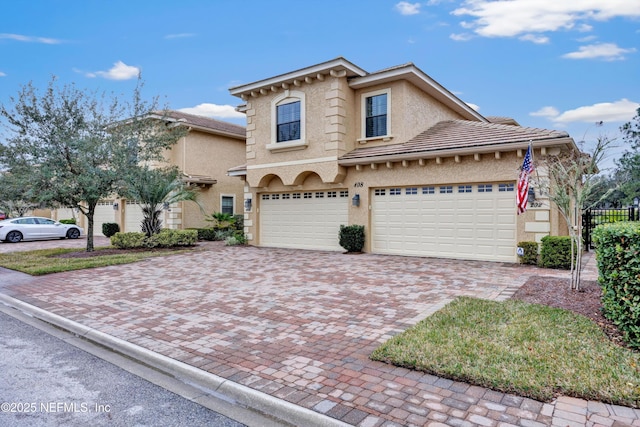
{"type": "Point", "coordinates": [154, 189]}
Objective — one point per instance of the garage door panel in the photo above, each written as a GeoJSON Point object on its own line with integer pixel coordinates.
{"type": "Point", "coordinates": [291, 221]}
{"type": "Point", "coordinates": [471, 222]}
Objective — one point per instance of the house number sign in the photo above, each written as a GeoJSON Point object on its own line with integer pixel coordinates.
{"type": "Point", "coordinates": [358, 185]}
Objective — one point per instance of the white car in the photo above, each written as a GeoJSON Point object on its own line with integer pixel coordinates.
{"type": "Point", "coordinates": [35, 227]}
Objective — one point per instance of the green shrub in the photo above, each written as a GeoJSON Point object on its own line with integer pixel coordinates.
{"type": "Point", "coordinates": [67, 221]}
{"type": "Point", "coordinates": [167, 238]}
{"type": "Point", "coordinates": [530, 255]}
{"type": "Point", "coordinates": [205, 233]}
{"type": "Point", "coordinates": [110, 228]}
{"type": "Point", "coordinates": [556, 252]}
{"type": "Point", "coordinates": [618, 255]}
{"type": "Point", "coordinates": [222, 233]}
{"type": "Point", "coordinates": [131, 240]}
{"type": "Point", "coordinates": [239, 222]}
{"type": "Point", "coordinates": [352, 237]}
{"type": "Point", "coordinates": [236, 239]}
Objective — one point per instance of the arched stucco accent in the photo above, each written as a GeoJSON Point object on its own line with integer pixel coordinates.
{"type": "Point", "coordinates": [328, 176]}
{"type": "Point", "coordinates": [300, 179]}
{"type": "Point", "coordinates": [265, 180]}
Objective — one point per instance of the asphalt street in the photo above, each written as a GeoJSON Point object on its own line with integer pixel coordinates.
{"type": "Point", "coordinates": [45, 381]}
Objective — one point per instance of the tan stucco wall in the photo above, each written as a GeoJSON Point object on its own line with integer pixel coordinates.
{"type": "Point", "coordinates": [412, 112]}
{"type": "Point", "coordinates": [209, 155]}
{"type": "Point", "coordinates": [333, 126]}
{"type": "Point", "coordinates": [488, 169]}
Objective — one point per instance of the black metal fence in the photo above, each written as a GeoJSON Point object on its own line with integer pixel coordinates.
{"type": "Point", "coordinates": [594, 217]}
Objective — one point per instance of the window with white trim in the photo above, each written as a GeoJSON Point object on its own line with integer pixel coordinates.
{"type": "Point", "coordinates": [227, 204]}
{"type": "Point", "coordinates": [288, 121]}
{"type": "Point", "coordinates": [446, 189]}
{"type": "Point", "coordinates": [376, 115]}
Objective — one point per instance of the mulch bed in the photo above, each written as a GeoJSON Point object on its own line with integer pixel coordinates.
{"type": "Point", "coordinates": [554, 292]}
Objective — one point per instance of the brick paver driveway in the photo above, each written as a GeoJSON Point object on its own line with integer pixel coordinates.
{"type": "Point", "coordinates": [298, 325]}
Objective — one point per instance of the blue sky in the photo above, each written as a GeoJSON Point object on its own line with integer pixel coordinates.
{"type": "Point", "coordinates": [554, 64]}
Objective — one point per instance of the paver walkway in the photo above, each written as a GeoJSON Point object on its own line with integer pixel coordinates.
{"type": "Point", "coordinates": [299, 325]}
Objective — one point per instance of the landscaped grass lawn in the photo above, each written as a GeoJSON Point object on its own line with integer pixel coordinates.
{"type": "Point", "coordinates": [47, 261]}
{"type": "Point", "coordinates": [527, 349]}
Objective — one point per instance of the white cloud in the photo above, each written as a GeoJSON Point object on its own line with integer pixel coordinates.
{"type": "Point", "coordinates": [461, 37]}
{"type": "Point", "coordinates": [119, 71]}
{"type": "Point", "coordinates": [406, 8]}
{"type": "Point", "coordinates": [618, 111]}
{"type": "Point", "coordinates": [179, 36]}
{"type": "Point", "coordinates": [2, 74]}
{"type": "Point", "coordinates": [29, 39]}
{"type": "Point", "coordinates": [214, 110]}
{"type": "Point", "coordinates": [510, 18]}
{"type": "Point", "coordinates": [548, 112]}
{"type": "Point", "coordinates": [606, 51]}
{"type": "Point", "coordinates": [535, 39]}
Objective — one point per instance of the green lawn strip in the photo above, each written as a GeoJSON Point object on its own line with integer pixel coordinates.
{"type": "Point", "coordinates": [515, 347]}
{"type": "Point", "coordinates": [46, 261]}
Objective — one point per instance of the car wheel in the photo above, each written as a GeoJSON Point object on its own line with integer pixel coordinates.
{"type": "Point", "coordinates": [13, 237]}
{"type": "Point", "coordinates": [73, 233]}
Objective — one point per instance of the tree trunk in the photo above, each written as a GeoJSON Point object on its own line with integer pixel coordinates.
{"type": "Point", "coordinates": [90, 212]}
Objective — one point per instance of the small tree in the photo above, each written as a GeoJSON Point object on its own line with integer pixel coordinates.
{"type": "Point", "coordinates": [154, 189]}
{"type": "Point", "coordinates": [74, 146]}
{"type": "Point", "coordinates": [572, 177]}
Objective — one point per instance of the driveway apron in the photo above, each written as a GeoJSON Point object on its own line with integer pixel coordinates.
{"type": "Point", "coordinates": [297, 325]}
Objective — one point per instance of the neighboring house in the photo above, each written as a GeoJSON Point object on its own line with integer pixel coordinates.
{"type": "Point", "coordinates": [394, 151]}
{"type": "Point", "coordinates": [210, 148]}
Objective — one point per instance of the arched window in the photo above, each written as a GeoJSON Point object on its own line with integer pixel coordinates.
{"type": "Point", "coordinates": [288, 121]}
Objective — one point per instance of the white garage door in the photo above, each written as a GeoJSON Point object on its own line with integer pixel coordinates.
{"type": "Point", "coordinates": [305, 220]}
{"type": "Point", "coordinates": [451, 221]}
{"type": "Point", "coordinates": [104, 213]}
{"type": "Point", "coordinates": [133, 217]}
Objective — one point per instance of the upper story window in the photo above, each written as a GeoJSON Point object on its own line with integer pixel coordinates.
{"type": "Point", "coordinates": [376, 114]}
{"type": "Point", "coordinates": [288, 121]}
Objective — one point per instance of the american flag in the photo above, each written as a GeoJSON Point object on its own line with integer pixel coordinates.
{"type": "Point", "coordinates": [523, 182]}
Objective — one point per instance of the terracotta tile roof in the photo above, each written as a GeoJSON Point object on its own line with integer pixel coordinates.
{"type": "Point", "coordinates": [457, 134]}
{"type": "Point", "coordinates": [207, 123]}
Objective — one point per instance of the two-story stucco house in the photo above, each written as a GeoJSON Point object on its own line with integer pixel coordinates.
{"type": "Point", "coordinates": [204, 155]}
{"type": "Point", "coordinates": [392, 150]}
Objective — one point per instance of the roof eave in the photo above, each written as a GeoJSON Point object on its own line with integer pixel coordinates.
{"type": "Point", "coordinates": [214, 131]}
{"type": "Point", "coordinates": [419, 78]}
{"type": "Point", "coordinates": [338, 64]}
{"type": "Point", "coordinates": [449, 152]}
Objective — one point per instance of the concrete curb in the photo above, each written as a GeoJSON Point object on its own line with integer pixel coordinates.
{"type": "Point", "coordinates": [209, 383]}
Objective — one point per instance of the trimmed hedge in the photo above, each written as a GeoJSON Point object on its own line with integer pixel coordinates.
{"type": "Point", "coordinates": [67, 221]}
{"type": "Point", "coordinates": [530, 255]}
{"type": "Point", "coordinates": [352, 237]}
{"type": "Point", "coordinates": [165, 239]}
{"type": "Point", "coordinates": [556, 252]}
{"type": "Point", "coordinates": [110, 228]}
{"type": "Point", "coordinates": [618, 256]}
{"type": "Point", "coordinates": [131, 240]}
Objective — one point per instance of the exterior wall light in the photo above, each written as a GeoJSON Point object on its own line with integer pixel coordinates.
{"type": "Point", "coordinates": [247, 205]}
{"type": "Point", "coordinates": [355, 201]}
{"type": "Point", "coordinates": [531, 195]}
{"type": "Point", "coordinates": [115, 206]}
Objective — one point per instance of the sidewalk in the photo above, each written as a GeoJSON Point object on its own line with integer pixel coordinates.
{"type": "Point", "coordinates": [292, 333]}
